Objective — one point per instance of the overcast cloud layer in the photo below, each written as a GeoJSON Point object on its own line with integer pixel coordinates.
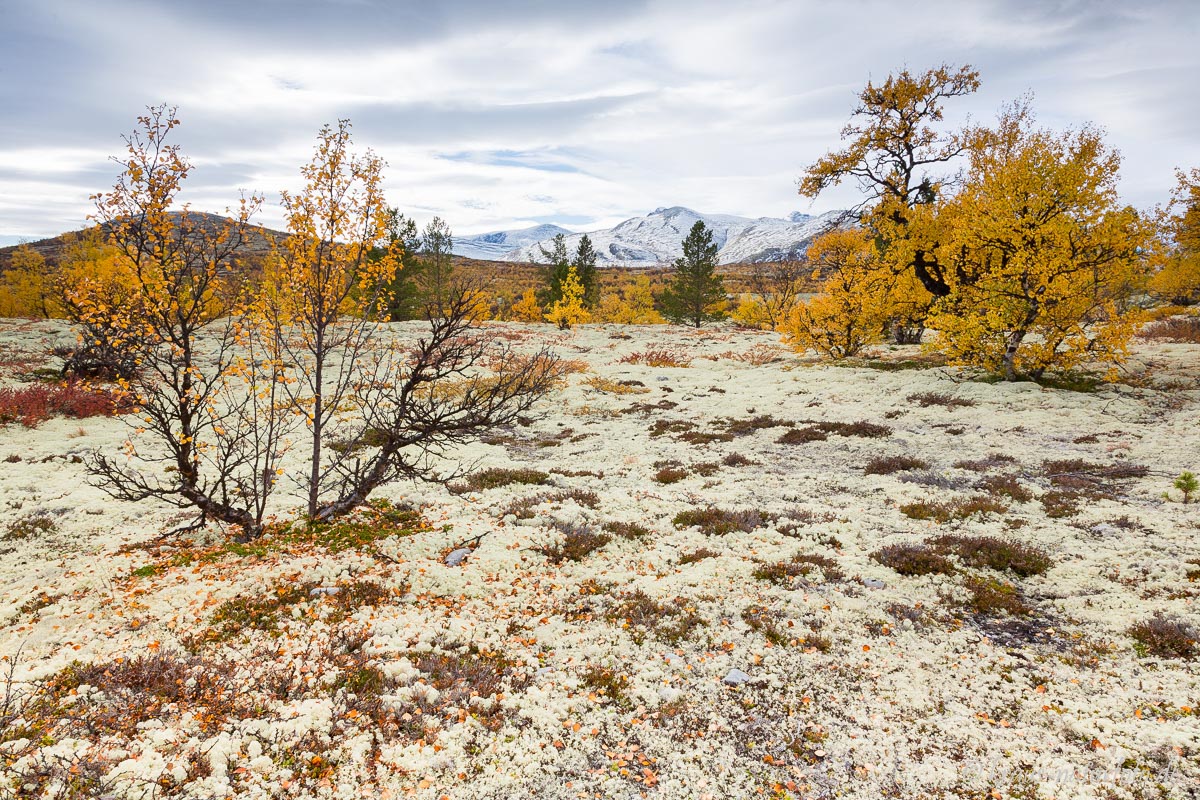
{"type": "Point", "coordinates": [504, 114]}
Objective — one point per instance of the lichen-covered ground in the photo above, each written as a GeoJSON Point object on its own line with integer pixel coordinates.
{"type": "Point", "coordinates": [665, 526]}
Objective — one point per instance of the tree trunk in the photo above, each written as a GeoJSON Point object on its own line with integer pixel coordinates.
{"type": "Point", "coordinates": [314, 474]}
{"type": "Point", "coordinates": [1010, 355]}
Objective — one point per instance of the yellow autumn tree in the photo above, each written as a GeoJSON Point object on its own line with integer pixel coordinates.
{"type": "Point", "coordinates": [898, 153]}
{"type": "Point", "coordinates": [528, 309]}
{"type": "Point", "coordinates": [1042, 255]}
{"type": "Point", "coordinates": [27, 286]}
{"type": "Point", "coordinates": [328, 290]}
{"type": "Point", "coordinates": [631, 304]}
{"type": "Point", "coordinates": [569, 310]}
{"type": "Point", "coordinates": [157, 304]}
{"type": "Point", "coordinates": [1177, 279]}
{"type": "Point", "coordinates": [849, 313]}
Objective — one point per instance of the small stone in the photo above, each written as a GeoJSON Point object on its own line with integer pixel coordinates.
{"type": "Point", "coordinates": [320, 590]}
{"type": "Point", "coordinates": [873, 583]}
{"type": "Point", "coordinates": [662, 378]}
{"type": "Point", "coordinates": [458, 556]}
{"type": "Point", "coordinates": [736, 678]}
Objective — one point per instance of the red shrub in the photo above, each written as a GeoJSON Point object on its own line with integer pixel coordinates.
{"type": "Point", "coordinates": [38, 402]}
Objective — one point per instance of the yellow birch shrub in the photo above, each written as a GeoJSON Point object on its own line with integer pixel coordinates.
{"type": "Point", "coordinates": [1177, 280]}
{"type": "Point", "coordinates": [631, 304]}
{"type": "Point", "coordinates": [849, 313]}
{"type": "Point", "coordinates": [528, 309]}
{"type": "Point", "coordinates": [569, 310]}
{"type": "Point", "coordinates": [1044, 256]}
{"type": "Point", "coordinates": [27, 286]}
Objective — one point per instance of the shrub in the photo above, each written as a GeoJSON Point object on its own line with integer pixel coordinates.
{"type": "Point", "coordinates": [744, 427]}
{"type": "Point", "coordinates": [913, 559]}
{"type": "Point", "coordinates": [1057, 505]}
{"type": "Point", "coordinates": [36, 403]}
{"type": "Point", "coordinates": [610, 386]}
{"type": "Point", "coordinates": [782, 573]}
{"type": "Point", "coordinates": [886, 465]}
{"type": "Point", "coordinates": [998, 554]}
{"type": "Point", "coordinates": [985, 463]}
{"type": "Point", "coordinates": [736, 460]}
{"type": "Point", "coordinates": [626, 530]}
{"type": "Point", "coordinates": [608, 682]}
{"type": "Point", "coordinates": [668, 475]}
{"type": "Point", "coordinates": [698, 555]}
{"type": "Point", "coordinates": [1165, 637]}
{"type": "Point", "coordinates": [802, 436]}
{"type": "Point", "coordinates": [718, 522]}
{"type": "Point", "coordinates": [1095, 480]}
{"type": "Point", "coordinates": [499, 476]}
{"type": "Point", "coordinates": [948, 401]}
{"type": "Point", "coordinates": [658, 357]}
{"type": "Point", "coordinates": [1007, 486]}
{"type": "Point", "coordinates": [1180, 329]}
{"type": "Point", "coordinates": [30, 526]}
{"type": "Point", "coordinates": [990, 596]}
{"type": "Point", "coordinates": [958, 509]}
{"type": "Point", "coordinates": [671, 621]}
{"type": "Point", "coordinates": [761, 621]}
{"type": "Point", "coordinates": [577, 544]}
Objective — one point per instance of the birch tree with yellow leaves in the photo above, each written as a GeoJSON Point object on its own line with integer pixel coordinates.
{"type": "Point", "coordinates": [849, 312]}
{"type": "Point", "coordinates": [1177, 279]}
{"type": "Point", "coordinates": [169, 304]}
{"type": "Point", "coordinates": [1042, 254]}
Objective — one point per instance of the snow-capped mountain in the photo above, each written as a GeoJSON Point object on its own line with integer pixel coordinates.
{"type": "Point", "coordinates": [498, 244]}
{"type": "Point", "coordinates": [657, 238]}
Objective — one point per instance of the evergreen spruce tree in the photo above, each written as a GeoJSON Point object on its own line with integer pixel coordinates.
{"type": "Point", "coordinates": [404, 293]}
{"type": "Point", "coordinates": [559, 263]}
{"type": "Point", "coordinates": [694, 294]}
{"type": "Point", "coordinates": [436, 265]}
{"type": "Point", "coordinates": [585, 268]}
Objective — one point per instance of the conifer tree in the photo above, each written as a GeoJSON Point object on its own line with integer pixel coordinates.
{"type": "Point", "coordinates": [558, 261]}
{"type": "Point", "coordinates": [436, 244]}
{"type": "Point", "coordinates": [585, 268]}
{"type": "Point", "coordinates": [695, 294]}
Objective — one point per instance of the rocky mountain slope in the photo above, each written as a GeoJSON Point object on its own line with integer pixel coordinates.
{"type": "Point", "coordinates": [657, 238]}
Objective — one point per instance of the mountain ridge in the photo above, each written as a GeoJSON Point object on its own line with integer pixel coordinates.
{"type": "Point", "coordinates": [656, 238]}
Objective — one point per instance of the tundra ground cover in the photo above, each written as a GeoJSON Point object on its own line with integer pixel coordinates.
{"type": "Point", "coordinates": [1034, 645]}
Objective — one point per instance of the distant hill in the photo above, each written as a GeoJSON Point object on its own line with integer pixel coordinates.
{"type": "Point", "coordinates": [496, 245]}
{"type": "Point", "coordinates": [653, 240]}
{"type": "Point", "coordinates": [656, 238]}
{"type": "Point", "coordinates": [258, 239]}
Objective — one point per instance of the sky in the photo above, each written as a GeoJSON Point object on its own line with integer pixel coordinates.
{"type": "Point", "coordinates": [497, 115]}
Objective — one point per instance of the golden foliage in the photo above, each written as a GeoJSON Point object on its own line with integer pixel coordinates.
{"type": "Point", "coordinates": [631, 304]}
{"type": "Point", "coordinates": [1043, 254]}
{"type": "Point", "coordinates": [322, 271]}
{"type": "Point", "coordinates": [528, 309]}
{"type": "Point", "coordinates": [27, 286]}
{"type": "Point", "coordinates": [569, 310]}
{"type": "Point", "coordinates": [849, 313]}
{"type": "Point", "coordinates": [1177, 279]}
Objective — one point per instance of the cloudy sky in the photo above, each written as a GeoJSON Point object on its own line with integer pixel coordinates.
{"type": "Point", "coordinates": [496, 114]}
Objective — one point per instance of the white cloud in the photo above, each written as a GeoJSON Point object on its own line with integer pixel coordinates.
{"type": "Point", "coordinates": [611, 109]}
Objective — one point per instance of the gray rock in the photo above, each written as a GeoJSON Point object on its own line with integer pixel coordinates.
{"type": "Point", "coordinates": [458, 556]}
{"type": "Point", "coordinates": [872, 583]}
{"type": "Point", "coordinates": [735, 678]}
{"type": "Point", "coordinates": [320, 590]}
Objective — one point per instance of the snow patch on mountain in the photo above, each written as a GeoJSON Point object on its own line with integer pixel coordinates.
{"type": "Point", "coordinates": [495, 246]}
{"type": "Point", "coordinates": [657, 238]}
